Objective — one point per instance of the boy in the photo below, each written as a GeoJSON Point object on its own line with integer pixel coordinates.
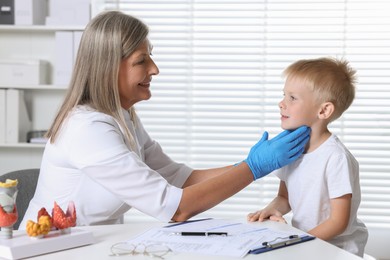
{"type": "Point", "coordinates": [322, 187]}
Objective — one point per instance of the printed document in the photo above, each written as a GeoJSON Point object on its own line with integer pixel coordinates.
{"type": "Point", "coordinates": [240, 240]}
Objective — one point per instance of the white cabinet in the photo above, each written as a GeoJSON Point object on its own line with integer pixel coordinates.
{"type": "Point", "coordinates": [42, 101]}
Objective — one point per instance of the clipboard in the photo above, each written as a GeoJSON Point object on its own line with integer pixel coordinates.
{"type": "Point", "coordinates": [273, 245]}
{"type": "Point", "coordinates": [240, 239]}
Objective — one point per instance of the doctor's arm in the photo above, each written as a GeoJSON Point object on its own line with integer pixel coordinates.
{"type": "Point", "coordinates": [267, 155]}
{"type": "Point", "coordinates": [207, 194]}
{"type": "Point", "coordinates": [198, 176]}
{"type": "Point", "coordinates": [263, 158]}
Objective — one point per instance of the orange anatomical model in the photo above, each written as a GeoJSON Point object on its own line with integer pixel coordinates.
{"type": "Point", "coordinates": [8, 211]}
{"type": "Point", "coordinates": [63, 220]}
{"type": "Point", "coordinates": [58, 220]}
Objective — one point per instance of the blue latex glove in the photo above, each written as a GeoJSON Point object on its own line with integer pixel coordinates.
{"type": "Point", "coordinates": [269, 155]}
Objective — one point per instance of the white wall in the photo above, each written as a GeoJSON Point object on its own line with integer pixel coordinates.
{"type": "Point", "coordinates": [378, 244]}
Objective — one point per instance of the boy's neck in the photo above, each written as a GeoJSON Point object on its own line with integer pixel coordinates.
{"type": "Point", "coordinates": [317, 137]}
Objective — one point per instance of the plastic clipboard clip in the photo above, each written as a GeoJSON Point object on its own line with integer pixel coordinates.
{"type": "Point", "coordinates": [287, 241]}
{"type": "Point", "coordinates": [293, 239]}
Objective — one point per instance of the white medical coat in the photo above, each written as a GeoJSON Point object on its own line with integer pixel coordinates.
{"type": "Point", "coordinates": [91, 164]}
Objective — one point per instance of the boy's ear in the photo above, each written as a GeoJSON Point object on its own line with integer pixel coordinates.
{"type": "Point", "coordinates": [326, 110]}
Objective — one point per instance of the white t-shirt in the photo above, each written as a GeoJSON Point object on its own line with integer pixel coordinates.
{"type": "Point", "coordinates": [314, 179]}
{"type": "Point", "coordinates": [92, 165]}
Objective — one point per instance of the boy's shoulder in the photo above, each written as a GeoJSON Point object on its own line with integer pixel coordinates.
{"type": "Point", "coordinates": [335, 143]}
{"type": "Point", "coordinates": [337, 148]}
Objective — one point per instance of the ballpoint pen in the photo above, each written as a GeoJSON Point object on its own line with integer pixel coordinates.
{"type": "Point", "coordinates": [194, 233]}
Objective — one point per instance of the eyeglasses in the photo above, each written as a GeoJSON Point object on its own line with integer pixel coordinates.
{"type": "Point", "coordinates": [152, 250]}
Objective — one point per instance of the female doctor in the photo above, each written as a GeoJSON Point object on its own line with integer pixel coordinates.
{"type": "Point", "coordinates": [100, 157]}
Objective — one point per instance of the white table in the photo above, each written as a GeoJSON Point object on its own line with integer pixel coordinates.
{"type": "Point", "coordinates": [111, 234]}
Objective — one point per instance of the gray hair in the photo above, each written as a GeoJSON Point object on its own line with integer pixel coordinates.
{"type": "Point", "coordinates": [109, 38]}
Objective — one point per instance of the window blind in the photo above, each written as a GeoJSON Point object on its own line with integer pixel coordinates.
{"type": "Point", "coordinates": [220, 83]}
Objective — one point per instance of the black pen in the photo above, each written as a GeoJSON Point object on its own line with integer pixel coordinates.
{"type": "Point", "coordinates": [202, 233]}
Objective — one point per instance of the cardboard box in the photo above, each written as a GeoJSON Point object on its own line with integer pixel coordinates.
{"type": "Point", "coordinates": [30, 12]}
{"type": "Point", "coordinates": [23, 72]}
{"type": "Point", "coordinates": [69, 12]}
{"type": "Point", "coordinates": [76, 42]}
{"type": "Point", "coordinates": [18, 121]}
{"type": "Point", "coordinates": [63, 57]}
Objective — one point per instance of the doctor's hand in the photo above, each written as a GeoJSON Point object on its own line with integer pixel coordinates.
{"type": "Point", "coordinates": [269, 155]}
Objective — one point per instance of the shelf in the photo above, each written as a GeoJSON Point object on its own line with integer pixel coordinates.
{"type": "Point", "coordinates": [32, 42]}
{"type": "Point", "coordinates": [40, 28]}
{"type": "Point", "coordinates": [22, 145]}
{"type": "Point", "coordinates": [35, 87]}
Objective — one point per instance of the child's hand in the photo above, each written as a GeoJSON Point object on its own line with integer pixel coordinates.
{"type": "Point", "coordinates": [264, 214]}
{"type": "Point", "coordinates": [278, 219]}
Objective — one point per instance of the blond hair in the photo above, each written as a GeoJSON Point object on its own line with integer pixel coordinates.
{"type": "Point", "coordinates": [108, 39]}
{"type": "Point", "coordinates": [332, 80]}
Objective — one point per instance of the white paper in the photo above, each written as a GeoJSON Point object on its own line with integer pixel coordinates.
{"type": "Point", "coordinates": [240, 240]}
